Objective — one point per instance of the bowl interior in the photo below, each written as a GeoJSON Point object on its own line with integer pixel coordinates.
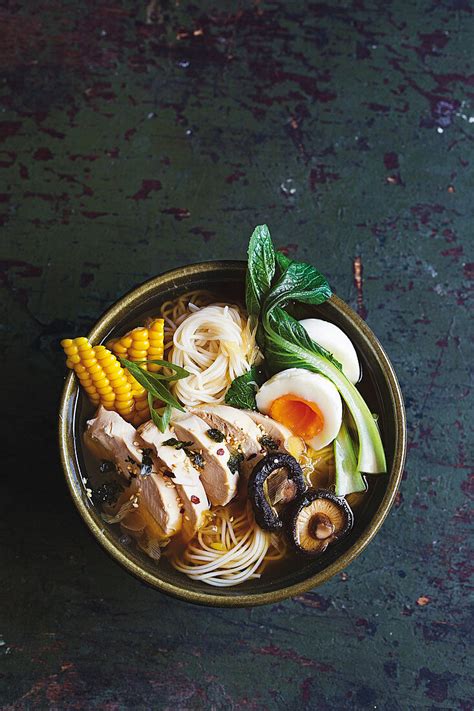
{"type": "Point", "coordinates": [378, 385]}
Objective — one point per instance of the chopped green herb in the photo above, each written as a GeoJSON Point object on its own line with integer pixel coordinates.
{"type": "Point", "coordinates": [177, 443]}
{"type": "Point", "coordinates": [268, 442]}
{"type": "Point", "coordinates": [234, 461]}
{"type": "Point", "coordinates": [107, 493]}
{"type": "Point", "coordinates": [157, 386]}
{"type": "Point", "coordinates": [216, 435]}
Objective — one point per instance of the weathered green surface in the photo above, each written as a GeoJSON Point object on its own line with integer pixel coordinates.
{"type": "Point", "coordinates": [129, 148]}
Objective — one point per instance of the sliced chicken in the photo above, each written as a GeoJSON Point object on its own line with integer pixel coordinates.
{"type": "Point", "coordinates": [238, 428]}
{"type": "Point", "coordinates": [160, 497]}
{"type": "Point", "coordinates": [110, 437]}
{"type": "Point", "coordinates": [196, 505]}
{"type": "Point", "coordinates": [282, 437]}
{"type": "Point", "coordinates": [177, 468]}
{"type": "Point", "coordinates": [219, 481]}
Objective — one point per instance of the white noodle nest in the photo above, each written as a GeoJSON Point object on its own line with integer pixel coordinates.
{"type": "Point", "coordinates": [215, 345]}
{"type": "Point", "coordinates": [244, 548]}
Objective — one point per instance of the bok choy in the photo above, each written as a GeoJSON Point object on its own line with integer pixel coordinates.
{"type": "Point", "coordinates": [348, 478]}
{"type": "Point", "coordinates": [287, 345]}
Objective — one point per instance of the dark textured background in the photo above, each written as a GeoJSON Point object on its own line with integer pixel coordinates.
{"type": "Point", "coordinates": [135, 139]}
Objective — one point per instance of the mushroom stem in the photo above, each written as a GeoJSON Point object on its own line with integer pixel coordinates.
{"type": "Point", "coordinates": [321, 527]}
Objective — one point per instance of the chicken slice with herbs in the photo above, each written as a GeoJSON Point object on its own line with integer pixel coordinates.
{"type": "Point", "coordinates": [239, 430]}
{"type": "Point", "coordinates": [110, 437]}
{"type": "Point", "coordinates": [218, 469]}
{"type": "Point", "coordinates": [178, 469]}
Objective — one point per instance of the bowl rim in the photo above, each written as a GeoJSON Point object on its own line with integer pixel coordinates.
{"type": "Point", "coordinates": [104, 538]}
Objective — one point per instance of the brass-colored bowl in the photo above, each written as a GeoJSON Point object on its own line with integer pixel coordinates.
{"type": "Point", "coordinates": [379, 385]}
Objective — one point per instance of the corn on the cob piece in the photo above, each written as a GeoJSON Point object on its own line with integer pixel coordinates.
{"type": "Point", "coordinates": [141, 343]}
{"type": "Point", "coordinates": [101, 375]}
{"type": "Point", "coordinates": [156, 337]}
{"type": "Point", "coordinates": [133, 346]}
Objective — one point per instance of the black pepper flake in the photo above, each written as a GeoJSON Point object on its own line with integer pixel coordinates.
{"type": "Point", "coordinates": [251, 456]}
{"type": "Point", "coordinates": [169, 474]}
{"type": "Point", "coordinates": [216, 435]}
{"type": "Point", "coordinates": [182, 510]}
{"type": "Point", "coordinates": [220, 452]}
{"type": "Point", "coordinates": [195, 499]}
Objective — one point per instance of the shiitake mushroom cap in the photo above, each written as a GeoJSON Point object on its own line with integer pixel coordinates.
{"type": "Point", "coordinates": [266, 515]}
{"type": "Point", "coordinates": [317, 519]}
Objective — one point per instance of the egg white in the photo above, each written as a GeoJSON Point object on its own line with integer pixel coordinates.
{"type": "Point", "coordinates": [334, 340]}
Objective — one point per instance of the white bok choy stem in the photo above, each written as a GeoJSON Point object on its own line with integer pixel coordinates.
{"type": "Point", "coordinates": [348, 479]}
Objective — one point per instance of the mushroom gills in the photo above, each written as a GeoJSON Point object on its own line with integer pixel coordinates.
{"type": "Point", "coordinates": [278, 488]}
{"type": "Point", "coordinates": [319, 519]}
{"type": "Point", "coordinates": [276, 480]}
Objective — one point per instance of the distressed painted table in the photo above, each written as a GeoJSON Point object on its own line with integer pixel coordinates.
{"type": "Point", "coordinates": [136, 138]}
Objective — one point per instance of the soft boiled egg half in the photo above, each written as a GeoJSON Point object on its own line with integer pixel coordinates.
{"type": "Point", "coordinates": [334, 340]}
{"type": "Point", "coordinates": [305, 402]}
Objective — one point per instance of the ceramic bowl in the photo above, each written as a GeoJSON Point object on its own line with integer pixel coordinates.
{"type": "Point", "coordinates": [379, 386]}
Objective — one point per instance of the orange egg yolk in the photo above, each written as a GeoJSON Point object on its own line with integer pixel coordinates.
{"type": "Point", "coordinates": [301, 417]}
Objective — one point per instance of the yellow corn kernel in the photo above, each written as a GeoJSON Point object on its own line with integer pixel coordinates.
{"type": "Point", "coordinates": [139, 334]}
{"type": "Point", "coordinates": [90, 389]}
{"type": "Point", "coordinates": [125, 341]}
{"type": "Point", "coordinates": [123, 390]}
{"type": "Point", "coordinates": [66, 343]}
{"type": "Point", "coordinates": [98, 374]}
{"type": "Point", "coordinates": [84, 375]}
{"type": "Point", "coordinates": [71, 350]}
{"type": "Point", "coordinates": [156, 349]}
{"type": "Point", "coordinates": [107, 398]}
{"type": "Point", "coordinates": [117, 380]}
{"type": "Point", "coordinates": [88, 362]}
{"type": "Point", "coordinates": [84, 347]}
{"type": "Point", "coordinates": [87, 383]}
{"type": "Point", "coordinates": [94, 368]}
{"type": "Point", "coordinates": [101, 381]}
{"type": "Point", "coordinates": [125, 412]}
{"type": "Point", "coordinates": [141, 405]}
{"type": "Point", "coordinates": [80, 341]}
{"type": "Point", "coordinates": [103, 389]}
{"type": "Point", "coordinates": [139, 418]}
{"type": "Point", "coordinates": [135, 354]}
{"type": "Point", "coordinates": [119, 350]}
